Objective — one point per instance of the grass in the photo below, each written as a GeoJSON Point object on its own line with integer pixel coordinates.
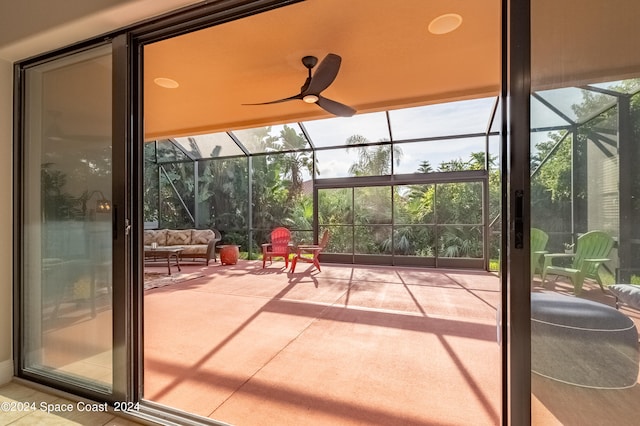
{"type": "Point", "coordinates": [494, 265]}
{"type": "Point", "coordinates": [607, 278]}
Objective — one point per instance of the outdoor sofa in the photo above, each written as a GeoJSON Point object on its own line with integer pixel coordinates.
{"type": "Point", "coordinates": [195, 243]}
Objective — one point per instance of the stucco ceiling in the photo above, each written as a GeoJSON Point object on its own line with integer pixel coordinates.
{"type": "Point", "coordinates": [389, 60]}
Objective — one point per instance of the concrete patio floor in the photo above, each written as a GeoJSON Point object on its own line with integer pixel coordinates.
{"type": "Point", "coordinates": [348, 345]}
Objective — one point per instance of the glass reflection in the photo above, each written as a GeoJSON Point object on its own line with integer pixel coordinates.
{"type": "Point", "coordinates": [569, 102]}
{"type": "Point", "coordinates": [585, 178]}
{"type": "Point", "coordinates": [67, 274]}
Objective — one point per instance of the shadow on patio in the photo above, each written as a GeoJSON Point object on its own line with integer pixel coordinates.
{"type": "Point", "coordinates": [350, 345]}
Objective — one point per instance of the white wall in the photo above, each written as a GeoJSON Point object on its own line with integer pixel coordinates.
{"type": "Point", "coordinates": [25, 35]}
{"type": "Point", "coordinates": [6, 228]}
{"type": "Point", "coordinates": [58, 24]}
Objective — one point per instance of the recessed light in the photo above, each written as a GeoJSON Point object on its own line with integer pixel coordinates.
{"type": "Point", "coordinates": [445, 23]}
{"type": "Point", "coordinates": [166, 82]}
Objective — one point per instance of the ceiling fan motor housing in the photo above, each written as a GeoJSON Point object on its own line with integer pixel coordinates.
{"type": "Point", "coordinates": [309, 61]}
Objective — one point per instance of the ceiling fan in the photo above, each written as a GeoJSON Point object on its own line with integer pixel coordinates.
{"type": "Point", "coordinates": [316, 83]}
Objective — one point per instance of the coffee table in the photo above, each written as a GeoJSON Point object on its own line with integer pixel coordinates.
{"type": "Point", "coordinates": [164, 253]}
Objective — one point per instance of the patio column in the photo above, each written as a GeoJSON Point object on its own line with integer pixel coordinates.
{"type": "Point", "coordinates": [628, 175]}
{"type": "Point", "coordinates": [579, 185]}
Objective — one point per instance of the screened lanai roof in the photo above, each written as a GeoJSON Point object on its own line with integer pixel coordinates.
{"type": "Point", "coordinates": [468, 122]}
{"type": "Point", "coordinates": [464, 120]}
{"type": "Point", "coordinates": [576, 105]}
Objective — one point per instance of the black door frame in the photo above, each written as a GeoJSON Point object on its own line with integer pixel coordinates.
{"type": "Point", "coordinates": [515, 312]}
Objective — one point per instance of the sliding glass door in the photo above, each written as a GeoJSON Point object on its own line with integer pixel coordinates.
{"type": "Point", "coordinates": [69, 226]}
{"type": "Point", "coordinates": [585, 136]}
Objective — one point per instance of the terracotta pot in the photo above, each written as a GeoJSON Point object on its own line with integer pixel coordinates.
{"type": "Point", "coordinates": [229, 254]}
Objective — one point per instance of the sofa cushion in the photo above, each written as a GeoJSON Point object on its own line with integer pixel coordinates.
{"type": "Point", "coordinates": [627, 293]}
{"type": "Point", "coordinates": [197, 250]}
{"type": "Point", "coordinates": [202, 236]}
{"type": "Point", "coordinates": [158, 236]}
{"type": "Point", "coordinates": [178, 237]}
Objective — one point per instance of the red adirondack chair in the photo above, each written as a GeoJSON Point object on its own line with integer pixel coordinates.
{"type": "Point", "coordinates": [278, 247]}
{"type": "Point", "coordinates": [313, 250]}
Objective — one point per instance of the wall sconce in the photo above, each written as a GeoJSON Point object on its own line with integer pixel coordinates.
{"type": "Point", "coordinates": [103, 205]}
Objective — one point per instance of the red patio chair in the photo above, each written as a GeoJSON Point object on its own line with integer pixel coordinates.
{"type": "Point", "coordinates": [314, 250]}
{"type": "Point", "coordinates": [278, 247]}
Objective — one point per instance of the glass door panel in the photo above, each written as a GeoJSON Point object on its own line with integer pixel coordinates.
{"type": "Point", "coordinates": [68, 226]}
{"type": "Point", "coordinates": [584, 178]}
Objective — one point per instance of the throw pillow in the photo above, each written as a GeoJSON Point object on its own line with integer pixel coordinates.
{"type": "Point", "coordinates": [202, 236]}
{"type": "Point", "coordinates": [155, 236]}
{"type": "Point", "coordinates": [178, 237]}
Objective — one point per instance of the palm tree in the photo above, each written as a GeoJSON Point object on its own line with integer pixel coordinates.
{"type": "Point", "coordinates": [373, 160]}
{"type": "Point", "coordinates": [293, 162]}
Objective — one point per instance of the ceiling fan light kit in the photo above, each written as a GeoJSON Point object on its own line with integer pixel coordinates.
{"type": "Point", "coordinates": [310, 99]}
{"type": "Point", "coordinates": [322, 78]}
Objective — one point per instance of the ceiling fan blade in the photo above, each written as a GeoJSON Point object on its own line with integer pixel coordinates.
{"type": "Point", "coordinates": [335, 108]}
{"type": "Point", "coordinates": [324, 74]}
{"type": "Point", "coordinates": [290, 98]}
